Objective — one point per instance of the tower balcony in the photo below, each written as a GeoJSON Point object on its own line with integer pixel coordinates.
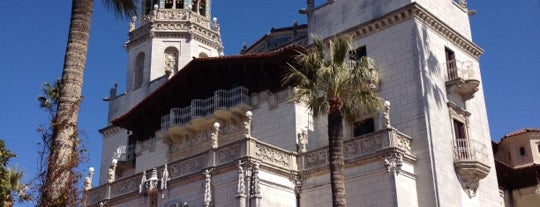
{"type": "Point", "coordinates": [125, 155]}
{"type": "Point", "coordinates": [461, 79]}
{"type": "Point", "coordinates": [224, 105]}
{"type": "Point", "coordinates": [470, 163]}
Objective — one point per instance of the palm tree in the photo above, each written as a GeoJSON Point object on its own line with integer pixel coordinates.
{"type": "Point", "coordinates": [333, 84]}
{"type": "Point", "coordinates": [58, 189]}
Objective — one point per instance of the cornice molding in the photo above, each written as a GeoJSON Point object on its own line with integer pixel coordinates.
{"type": "Point", "coordinates": [177, 29]}
{"type": "Point", "coordinates": [109, 130]}
{"type": "Point", "coordinates": [415, 11]}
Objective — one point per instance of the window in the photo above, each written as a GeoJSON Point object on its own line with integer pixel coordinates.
{"type": "Point", "coordinates": [538, 146]}
{"type": "Point", "coordinates": [179, 4]}
{"type": "Point", "coordinates": [451, 67]}
{"type": "Point", "coordinates": [363, 127]}
{"type": "Point", "coordinates": [168, 4]}
{"type": "Point", "coordinates": [139, 71]}
{"type": "Point", "coordinates": [358, 53]}
{"type": "Point", "coordinates": [202, 7]}
{"type": "Point", "coordinates": [459, 130]}
{"type": "Point", "coordinates": [149, 5]}
{"type": "Point", "coordinates": [509, 156]}
{"type": "Point", "coordinates": [522, 151]}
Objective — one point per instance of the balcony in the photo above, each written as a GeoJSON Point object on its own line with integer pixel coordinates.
{"type": "Point", "coordinates": [223, 105]}
{"type": "Point", "coordinates": [125, 155]}
{"type": "Point", "coordinates": [461, 79]}
{"type": "Point", "coordinates": [470, 158]}
{"type": "Point", "coordinates": [375, 144]}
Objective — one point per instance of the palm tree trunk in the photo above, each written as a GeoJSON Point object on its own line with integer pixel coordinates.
{"type": "Point", "coordinates": [59, 187]}
{"type": "Point", "coordinates": [335, 150]}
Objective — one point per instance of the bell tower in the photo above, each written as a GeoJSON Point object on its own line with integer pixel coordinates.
{"type": "Point", "coordinates": [166, 36]}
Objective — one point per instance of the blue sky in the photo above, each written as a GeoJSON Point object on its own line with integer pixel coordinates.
{"type": "Point", "coordinates": [33, 38]}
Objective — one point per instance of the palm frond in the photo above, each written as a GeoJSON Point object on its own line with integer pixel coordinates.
{"type": "Point", "coordinates": [123, 8]}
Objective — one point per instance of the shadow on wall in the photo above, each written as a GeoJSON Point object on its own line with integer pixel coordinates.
{"type": "Point", "coordinates": [430, 68]}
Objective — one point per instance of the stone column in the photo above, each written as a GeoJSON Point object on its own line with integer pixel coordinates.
{"type": "Point", "coordinates": [241, 190]}
{"type": "Point", "coordinates": [255, 197]}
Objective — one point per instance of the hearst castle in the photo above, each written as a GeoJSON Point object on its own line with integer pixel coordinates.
{"type": "Point", "coordinates": [196, 128]}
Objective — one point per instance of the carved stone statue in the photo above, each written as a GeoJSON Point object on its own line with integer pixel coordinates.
{"type": "Point", "coordinates": [142, 185]}
{"type": "Point", "coordinates": [165, 178]}
{"type": "Point", "coordinates": [302, 141]}
{"type": "Point", "coordinates": [255, 186]}
{"type": "Point", "coordinates": [241, 190]}
{"type": "Point", "coordinates": [170, 63]}
{"type": "Point", "coordinates": [132, 23]}
{"type": "Point", "coordinates": [214, 136]}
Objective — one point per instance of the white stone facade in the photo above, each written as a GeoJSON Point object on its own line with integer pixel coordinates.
{"type": "Point", "coordinates": [276, 155]}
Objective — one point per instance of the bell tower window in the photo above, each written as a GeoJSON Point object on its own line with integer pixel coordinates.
{"type": "Point", "coordinates": [139, 71]}
{"type": "Point", "coordinates": [179, 4]}
{"type": "Point", "coordinates": [174, 4]}
{"type": "Point", "coordinates": [202, 7]}
{"type": "Point", "coordinates": [168, 4]}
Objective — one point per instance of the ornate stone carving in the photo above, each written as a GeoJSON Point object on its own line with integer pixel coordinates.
{"type": "Point", "coordinates": [241, 188]}
{"type": "Point", "coordinates": [187, 167]}
{"type": "Point", "coordinates": [247, 124]}
{"type": "Point", "coordinates": [402, 142]}
{"type": "Point", "coordinates": [207, 187]}
{"type": "Point", "coordinates": [228, 154]}
{"type": "Point", "coordinates": [316, 158]}
{"type": "Point", "coordinates": [165, 178]}
{"type": "Point", "coordinates": [132, 23]}
{"type": "Point", "coordinates": [386, 115]}
{"type": "Point", "coordinates": [302, 141]}
{"type": "Point", "coordinates": [125, 186]}
{"type": "Point", "coordinates": [214, 136]}
{"type": "Point", "coordinates": [150, 186]}
{"type": "Point", "coordinates": [88, 179]}
{"type": "Point", "coordinates": [272, 156]}
{"type": "Point", "coordinates": [393, 162]}
{"type": "Point", "coordinates": [255, 182]}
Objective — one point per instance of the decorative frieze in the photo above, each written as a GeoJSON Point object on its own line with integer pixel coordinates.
{"type": "Point", "coordinates": [189, 166]}
{"type": "Point", "coordinates": [316, 158]}
{"type": "Point", "coordinates": [98, 194]}
{"type": "Point", "coordinates": [125, 186]}
{"type": "Point", "coordinates": [229, 153]}
{"type": "Point", "coordinates": [272, 155]}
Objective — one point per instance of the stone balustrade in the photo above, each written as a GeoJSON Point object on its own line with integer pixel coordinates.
{"type": "Point", "coordinates": [362, 146]}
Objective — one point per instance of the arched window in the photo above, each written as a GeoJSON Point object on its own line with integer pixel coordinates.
{"type": "Point", "coordinates": [139, 71]}
{"type": "Point", "coordinates": [195, 5]}
{"type": "Point", "coordinates": [171, 60]}
{"type": "Point", "coordinates": [179, 4]}
{"type": "Point", "coordinates": [168, 4]}
{"type": "Point", "coordinates": [202, 7]}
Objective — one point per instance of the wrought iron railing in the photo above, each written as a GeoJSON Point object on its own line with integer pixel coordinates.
{"type": "Point", "coordinates": [200, 108]}
{"type": "Point", "coordinates": [456, 69]}
{"type": "Point", "coordinates": [125, 152]}
{"type": "Point", "coordinates": [469, 150]}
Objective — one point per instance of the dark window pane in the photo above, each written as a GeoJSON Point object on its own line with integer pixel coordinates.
{"type": "Point", "coordinates": [363, 127]}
